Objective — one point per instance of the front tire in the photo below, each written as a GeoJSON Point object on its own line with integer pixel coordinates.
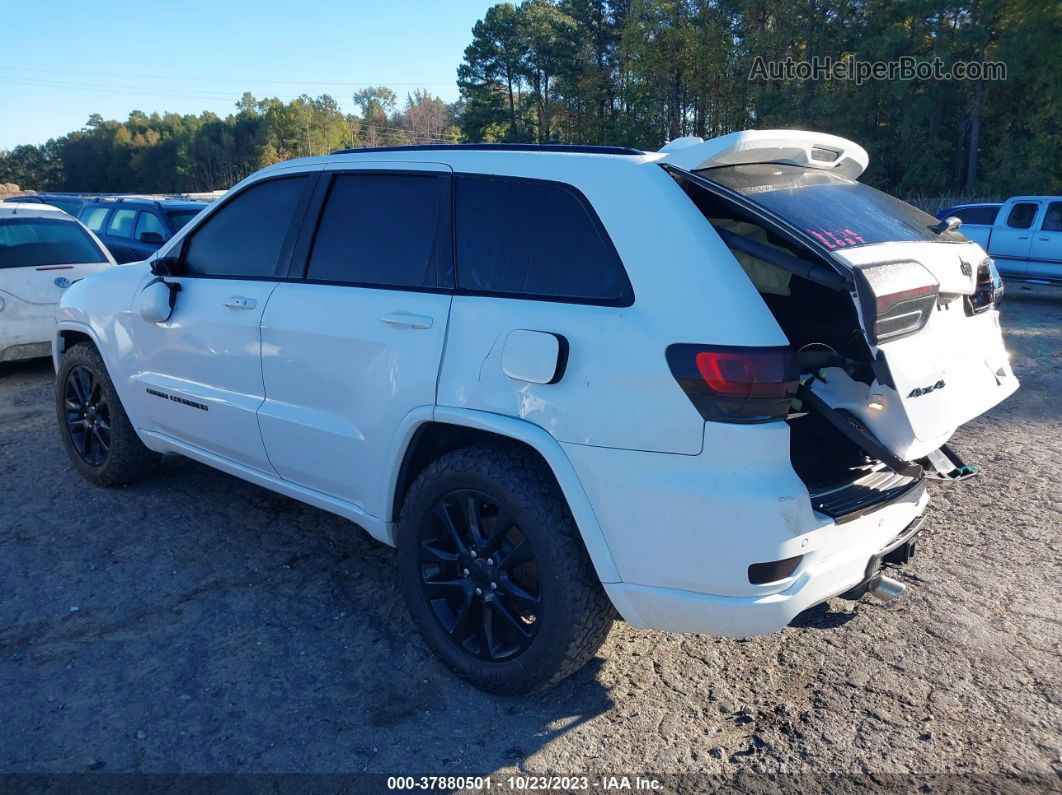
{"type": "Point", "coordinates": [98, 437]}
{"type": "Point", "coordinates": [494, 572]}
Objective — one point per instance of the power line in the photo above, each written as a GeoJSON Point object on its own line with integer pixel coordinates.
{"type": "Point", "coordinates": [258, 80]}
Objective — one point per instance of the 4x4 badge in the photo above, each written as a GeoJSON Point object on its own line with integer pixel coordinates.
{"type": "Point", "coordinates": [918, 391]}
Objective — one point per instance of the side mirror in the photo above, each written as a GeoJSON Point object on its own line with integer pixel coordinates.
{"type": "Point", "coordinates": [151, 238]}
{"type": "Point", "coordinates": [155, 302]}
{"type": "Point", "coordinates": [164, 266]}
{"type": "Point", "coordinates": [949, 224]}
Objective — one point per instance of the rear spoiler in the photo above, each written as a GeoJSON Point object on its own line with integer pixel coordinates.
{"type": "Point", "coordinates": [795, 147]}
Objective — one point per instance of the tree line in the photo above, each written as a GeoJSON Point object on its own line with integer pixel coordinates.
{"type": "Point", "coordinates": [173, 153]}
{"type": "Point", "coordinates": [639, 73]}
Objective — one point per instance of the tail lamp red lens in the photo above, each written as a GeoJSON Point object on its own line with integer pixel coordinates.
{"type": "Point", "coordinates": [731, 384]}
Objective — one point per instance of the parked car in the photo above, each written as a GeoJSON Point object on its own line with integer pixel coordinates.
{"type": "Point", "coordinates": [42, 252]}
{"type": "Point", "coordinates": [134, 228]}
{"type": "Point", "coordinates": [1023, 235]}
{"type": "Point", "coordinates": [68, 203]}
{"type": "Point", "coordinates": [701, 388]}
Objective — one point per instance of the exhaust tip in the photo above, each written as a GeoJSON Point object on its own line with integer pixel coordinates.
{"type": "Point", "coordinates": [885, 588]}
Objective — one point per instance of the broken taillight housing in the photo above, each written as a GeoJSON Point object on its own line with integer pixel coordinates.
{"type": "Point", "coordinates": [736, 384]}
{"type": "Point", "coordinates": [897, 298]}
{"type": "Point", "coordinates": [988, 291]}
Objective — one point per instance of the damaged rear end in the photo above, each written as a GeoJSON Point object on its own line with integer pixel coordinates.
{"type": "Point", "coordinates": [891, 317]}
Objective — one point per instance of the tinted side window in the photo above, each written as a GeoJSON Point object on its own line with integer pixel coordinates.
{"type": "Point", "coordinates": [378, 229]}
{"type": "Point", "coordinates": [1053, 218]}
{"type": "Point", "coordinates": [1021, 215]}
{"type": "Point", "coordinates": [245, 237]}
{"type": "Point", "coordinates": [121, 224]}
{"type": "Point", "coordinates": [94, 217]}
{"type": "Point", "coordinates": [149, 222]}
{"type": "Point", "coordinates": [532, 238]}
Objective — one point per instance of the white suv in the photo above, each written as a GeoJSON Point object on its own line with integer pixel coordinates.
{"type": "Point", "coordinates": [700, 388]}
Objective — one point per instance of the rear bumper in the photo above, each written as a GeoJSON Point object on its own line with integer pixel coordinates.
{"type": "Point", "coordinates": [684, 530]}
{"type": "Point", "coordinates": [25, 329]}
{"type": "Point", "coordinates": [829, 575]}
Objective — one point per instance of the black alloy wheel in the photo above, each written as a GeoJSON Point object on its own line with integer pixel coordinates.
{"type": "Point", "coordinates": [480, 575]}
{"type": "Point", "coordinates": [88, 416]}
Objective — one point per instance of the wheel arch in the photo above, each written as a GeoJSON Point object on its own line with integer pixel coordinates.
{"type": "Point", "coordinates": [68, 335]}
{"type": "Point", "coordinates": [448, 429]}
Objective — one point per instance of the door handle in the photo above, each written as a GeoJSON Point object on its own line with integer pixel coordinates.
{"type": "Point", "coordinates": [1023, 237]}
{"type": "Point", "coordinates": [405, 320]}
{"type": "Point", "coordinates": [239, 302]}
{"type": "Point", "coordinates": [1045, 239]}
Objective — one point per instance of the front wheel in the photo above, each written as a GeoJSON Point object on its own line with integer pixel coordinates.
{"type": "Point", "coordinates": [98, 437]}
{"type": "Point", "coordinates": [494, 572]}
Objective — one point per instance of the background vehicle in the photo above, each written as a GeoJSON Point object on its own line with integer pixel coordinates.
{"type": "Point", "coordinates": [68, 203]}
{"type": "Point", "coordinates": [134, 228]}
{"type": "Point", "coordinates": [701, 386]}
{"type": "Point", "coordinates": [1023, 235]}
{"type": "Point", "coordinates": [42, 252]}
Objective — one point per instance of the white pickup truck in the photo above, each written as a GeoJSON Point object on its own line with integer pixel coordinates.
{"type": "Point", "coordinates": [1023, 235]}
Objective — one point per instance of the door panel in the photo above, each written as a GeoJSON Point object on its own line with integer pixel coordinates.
{"type": "Point", "coordinates": [1012, 238]}
{"type": "Point", "coordinates": [200, 376]}
{"type": "Point", "coordinates": [349, 352]}
{"type": "Point", "coordinates": [339, 378]}
{"type": "Point", "coordinates": [1045, 253]}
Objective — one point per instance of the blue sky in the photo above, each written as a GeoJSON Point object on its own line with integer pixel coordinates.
{"type": "Point", "coordinates": [62, 61]}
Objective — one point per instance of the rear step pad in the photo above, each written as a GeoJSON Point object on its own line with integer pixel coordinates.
{"type": "Point", "coordinates": [852, 500]}
{"type": "Point", "coordinates": [945, 464]}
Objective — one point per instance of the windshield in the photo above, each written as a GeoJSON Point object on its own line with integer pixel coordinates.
{"type": "Point", "coordinates": [180, 217]}
{"type": "Point", "coordinates": [836, 211]}
{"type": "Point", "coordinates": [28, 242]}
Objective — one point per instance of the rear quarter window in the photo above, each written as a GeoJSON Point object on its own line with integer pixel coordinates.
{"type": "Point", "coordinates": [534, 239]}
{"type": "Point", "coordinates": [38, 242]}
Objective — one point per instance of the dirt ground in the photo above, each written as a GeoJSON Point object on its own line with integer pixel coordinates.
{"type": "Point", "coordinates": [195, 622]}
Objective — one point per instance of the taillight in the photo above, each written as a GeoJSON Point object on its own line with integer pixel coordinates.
{"type": "Point", "coordinates": [736, 384]}
{"type": "Point", "coordinates": [897, 298]}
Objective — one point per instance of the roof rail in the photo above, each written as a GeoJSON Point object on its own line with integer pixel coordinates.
{"type": "Point", "coordinates": [577, 149]}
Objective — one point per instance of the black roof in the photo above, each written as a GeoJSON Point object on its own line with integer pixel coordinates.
{"type": "Point", "coordinates": [567, 148]}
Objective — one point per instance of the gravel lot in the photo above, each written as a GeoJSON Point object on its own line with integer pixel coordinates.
{"type": "Point", "coordinates": [194, 622]}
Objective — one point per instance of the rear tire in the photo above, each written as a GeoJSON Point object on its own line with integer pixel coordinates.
{"type": "Point", "coordinates": [540, 612]}
{"type": "Point", "coordinates": [96, 432]}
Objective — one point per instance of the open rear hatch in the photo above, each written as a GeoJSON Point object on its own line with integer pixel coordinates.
{"type": "Point", "coordinates": [893, 316]}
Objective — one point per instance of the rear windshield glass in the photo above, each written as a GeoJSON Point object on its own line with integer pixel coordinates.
{"type": "Point", "coordinates": [180, 217]}
{"type": "Point", "coordinates": [26, 242]}
{"type": "Point", "coordinates": [838, 212]}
